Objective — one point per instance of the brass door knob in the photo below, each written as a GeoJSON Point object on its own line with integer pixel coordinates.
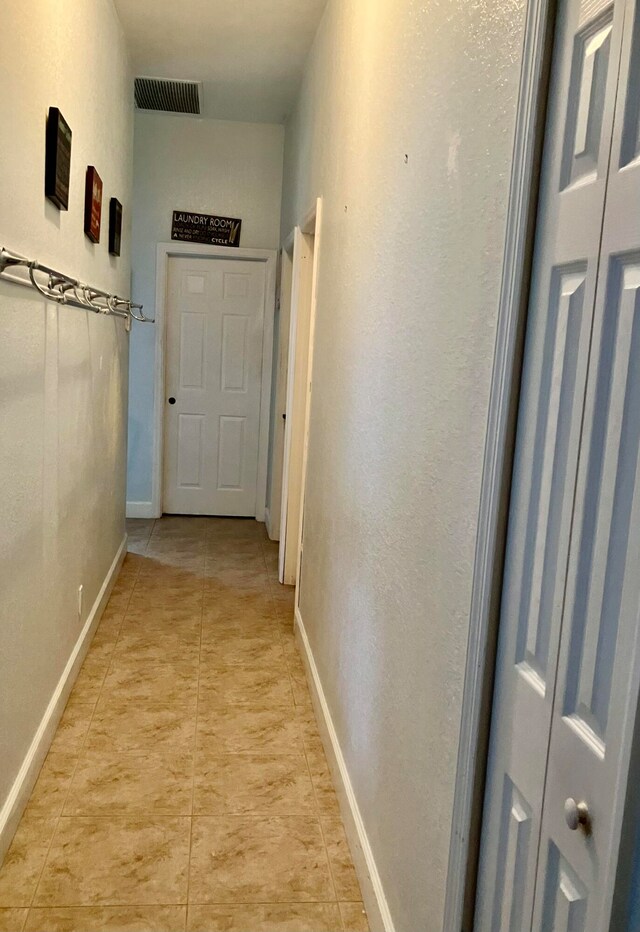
{"type": "Point", "coordinates": [577, 815]}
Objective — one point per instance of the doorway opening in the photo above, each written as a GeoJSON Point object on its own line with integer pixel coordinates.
{"type": "Point", "coordinates": [281, 363]}
{"type": "Point", "coordinates": [304, 247]}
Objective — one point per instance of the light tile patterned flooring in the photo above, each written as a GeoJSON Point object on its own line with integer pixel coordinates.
{"type": "Point", "coordinates": [186, 787]}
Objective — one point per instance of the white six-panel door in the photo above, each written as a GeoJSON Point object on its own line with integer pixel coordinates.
{"type": "Point", "coordinates": [214, 334]}
{"type": "Point", "coordinates": [599, 661]}
{"type": "Point", "coordinates": [566, 672]}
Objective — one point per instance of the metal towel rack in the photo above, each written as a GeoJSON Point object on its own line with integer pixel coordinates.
{"type": "Point", "coordinates": [55, 286]}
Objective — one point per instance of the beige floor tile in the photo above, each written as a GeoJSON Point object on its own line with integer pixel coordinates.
{"type": "Point", "coordinates": [258, 686]}
{"type": "Point", "coordinates": [254, 860]}
{"type": "Point", "coordinates": [284, 597]}
{"type": "Point", "coordinates": [277, 917]}
{"type": "Point", "coordinates": [262, 789]}
{"type": "Point", "coordinates": [102, 646]}
{"type": "Point", "coordinates": [131, 565]}
{"type": "Point", "coordinates": [48, 795]}
{"type": "Point", "coordinates": [344, 873]}
{"type": "Point", "coordinates": [144, 649]}
{"type": "Point", "coordinates": [258, 784]}
{"type": "Point", "coordinates": [245, 610]}
{"type": "Point", "coordinates": [116, 862]}
{"type": "Point", "coordinates": [171, 634]}
{"type": "Point", "coordinates": [245, 651]}
{"type": "Point", "coordinates": [301, 691]}
{"type": "Point", "coordinates": [13, 920]}
{"type": "Point", "coordinates": [194, 545]}
{"type": "Point", "coordinates": [216, 629]}
{"type": "Point", "coordinates": [307, 725]}
{"type": "Point", "coordinates": [165, 680]}
{"type": "Point", "coordinates": [111, 619]}
{"type": "Point", "coordinates": [325, 793]}
{"type": "Point", "coordinates": [174, 592]}
{"type": "Point", "coordinates": [108, 919]}
{"type": "Point", "coordinates": [229, 729]}
{"type": "Point", "coordinates": [354, 917]}
{"type": "Point", "coordinates": [117, 782]}
{"type": "Point", "coordinates": [127, 575]}
{"type": "Point", "coordinates": [286, 623]}
{"type": "Point", "coordinates": [236, 555]}
{"type": "Point", "coordinates": [88, 684]}
{"type": "Point", "coordinates": [168, 582]}
{"type": "Point", "coordinates": [233, 590]}
{"type": "Point", "coordinates": [119, 601]}
{"type": "Point", "coordinates": [181, 526]}
{"type": "Point", "coordinates": [24, 860]}
{"type": "Point", "coordinates": [149, 618]}
{"type": "Point", "coordinates": [122, 725]}
{"type": "Point", "coordinates": [184, 560]}
{"type": "Point", "coordinates": [140, 525]}
{"type": "Point", "coordinates": [236, 529]}
{"type": "Point", "coordinates": [74, 725]}
{"type": "Point", "coordinates": [247, 571]}
{"type": "Point", "coordinates": [159, 572]}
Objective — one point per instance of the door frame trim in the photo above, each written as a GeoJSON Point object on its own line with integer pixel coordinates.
{"type": "Point", "coordinates": [164, 251]}
{"type": "Point", "coordinates": [497, 465]}
{"type": "Point", "coordinates": [304, 287]}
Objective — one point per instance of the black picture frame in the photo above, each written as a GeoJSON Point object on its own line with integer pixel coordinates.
{"type": "Point", "coordinates": [57, 171]}
{"type": "Point", "coordinates": [115, 226]}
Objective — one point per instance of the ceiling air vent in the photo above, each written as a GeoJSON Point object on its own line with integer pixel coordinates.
{"type": "Point", "coordinates": [168, 95]}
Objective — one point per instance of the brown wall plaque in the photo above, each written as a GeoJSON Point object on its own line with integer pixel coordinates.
{"type": "Point", "coordinates": [205, 228]}
{"type": "Point", "coordinates": [92, 204]}
{"type": "Point", "coordinates": [57, 159]}
{"type": "Point", "coordinates": [115, 226]}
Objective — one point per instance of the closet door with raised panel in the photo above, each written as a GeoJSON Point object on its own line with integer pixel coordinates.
{"type": "Point", "coordinates": [598, 676]}
{"type": "Point", "coordinates": [582, 98]}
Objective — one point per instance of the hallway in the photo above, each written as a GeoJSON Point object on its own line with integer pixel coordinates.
{"type": "Point", "coordinates": [186, 787]}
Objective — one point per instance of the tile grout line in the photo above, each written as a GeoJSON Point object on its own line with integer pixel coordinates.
{"type": "Point", "coordinates": [195, 740]}
{"type": "Point", "coordinates": [225, 903]}
{"type": "Point", "coordinates": [319, 817]}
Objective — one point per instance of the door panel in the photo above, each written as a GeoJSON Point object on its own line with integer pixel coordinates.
{"type": "Point", "coordinates": [565, 897]}
{"type": "Point", "coordinates": [599, 663]}
{"type": "Point", "coordinates": [190, 452]}
{"type": "Point", "coordinates": [560, 319]}
{"type": "Point", "coordinates": [215, 312]}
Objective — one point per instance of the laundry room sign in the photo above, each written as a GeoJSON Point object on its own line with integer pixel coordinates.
{"type": "Point", "coordinates": [205, 228]}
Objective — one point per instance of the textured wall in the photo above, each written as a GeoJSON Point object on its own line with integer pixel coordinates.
{"type": "Point", "coordinates": [64, 371]}
{"type": "Point", "coordinates": [232, 169]}
{"type": "Point", "coordinates": [404, 125]}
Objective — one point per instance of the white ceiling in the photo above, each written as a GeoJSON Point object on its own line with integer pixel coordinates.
{"type": "Point", "coordinates": [249, 54]}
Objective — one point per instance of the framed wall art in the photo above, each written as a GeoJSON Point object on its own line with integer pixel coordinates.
{"type": "Point", "coordinates": [57, 170]}
{"type": "Point", "coordinates": [92, 204]}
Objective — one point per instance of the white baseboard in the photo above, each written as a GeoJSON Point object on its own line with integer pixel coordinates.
{"type": "Point", "coordinates": [373, 894]}
{"type": "Point", "coordinates": [16, 801]}
{"type": "Point", "coordinates": [141, 510]}
{"type": "Point", "coordinates": [269, 525]}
